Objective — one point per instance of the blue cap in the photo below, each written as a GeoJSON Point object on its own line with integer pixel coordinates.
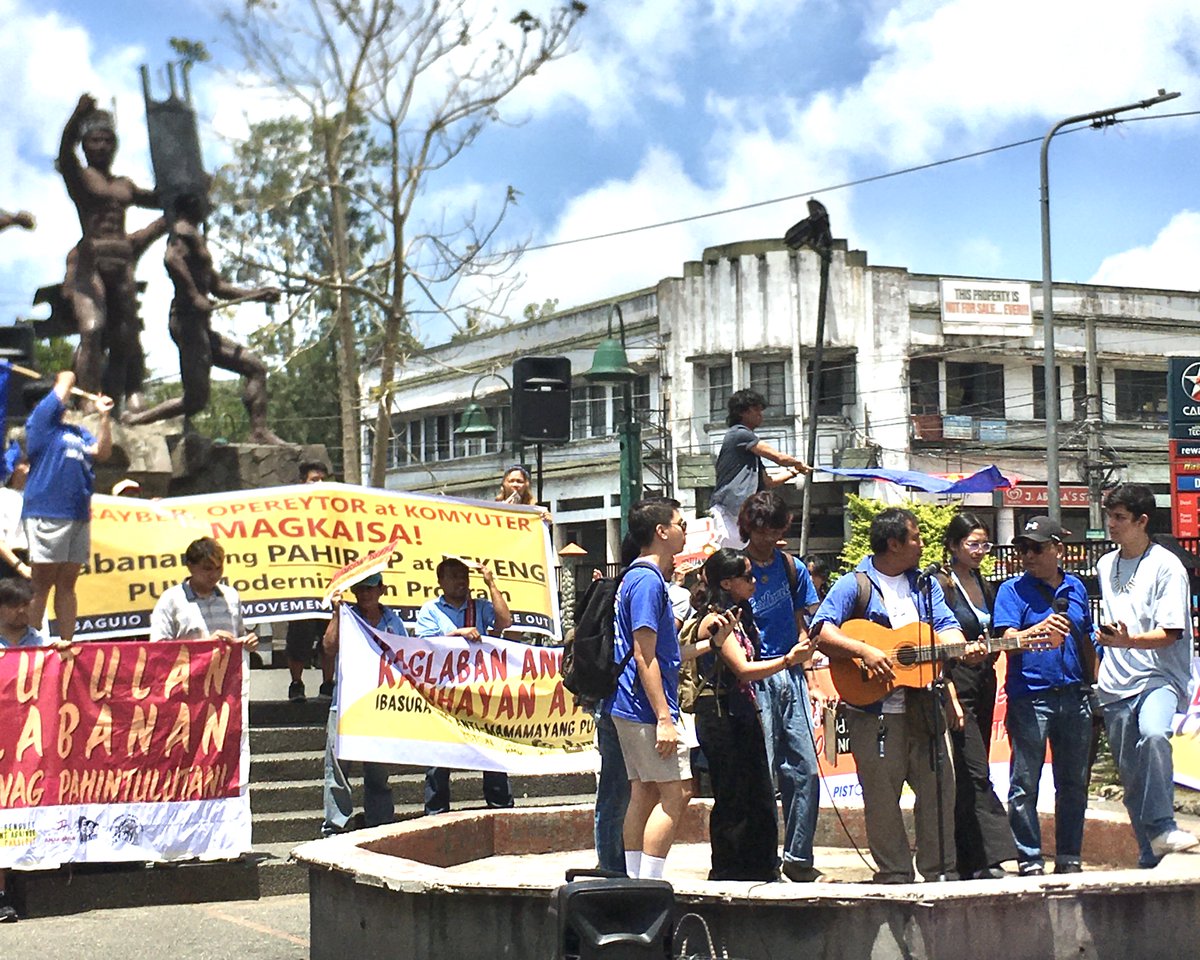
{"type": "Point", "coordinates": [374, 580]}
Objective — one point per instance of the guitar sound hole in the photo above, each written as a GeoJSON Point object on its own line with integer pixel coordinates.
{"type": "Point", "coordinates": [906, 655]}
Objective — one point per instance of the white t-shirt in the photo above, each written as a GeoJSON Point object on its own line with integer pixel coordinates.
{"type": "Point", "coordinates": [1145, 594]}
{"type": "Point", "coordinates": [896, 593]}
{"type": "Point", "coordinates": [12, 531]}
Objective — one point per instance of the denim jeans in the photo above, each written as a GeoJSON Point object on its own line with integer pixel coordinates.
{"type": "Point", "coordinates": [792, 758]}
{"type": "Point", "coordinates": [1063, 717]}
{"type": "Point", "coordinates": [612, 797]}
{"type": "Point", "coordinates": [378, 807]}
{"type": "Point", "coordinates": [1139, 732]}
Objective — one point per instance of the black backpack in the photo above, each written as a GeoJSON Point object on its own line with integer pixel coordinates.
{"type": "Point", "coordinates": [588, 668]}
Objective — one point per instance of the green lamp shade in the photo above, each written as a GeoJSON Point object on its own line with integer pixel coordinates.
{"type": "Point", "coordinates": [475, 422]}
{"type": "Point", "coordinates": [610, 365]}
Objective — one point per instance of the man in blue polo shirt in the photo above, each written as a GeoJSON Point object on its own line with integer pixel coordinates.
{"type": "Point", "coordinates": [1047, 696]}
{"type": "Point", "coordinates": [893, 739]}
{"type": "Point", "coordinates": [783, 596]}
{"type": "Point", "coordinates": [456, 614]}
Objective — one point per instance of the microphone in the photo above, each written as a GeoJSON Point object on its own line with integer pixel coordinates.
{"type": "Point", "coordinates": [931, 571]}
{"type": "Point", "coordinates": [1061, 605]}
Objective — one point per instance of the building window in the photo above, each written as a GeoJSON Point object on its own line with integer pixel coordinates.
{"type": "Point", "coordinates": [769, 378]}
{"type": "Point", "coordinates": [1078, 391]}
{"type": "Point", "coordinates": [640, 389]}
{"type": "Point", "coordinates": [923, 386]}
{"type": "Point", "coordinates": [589, 412]}
{"type": "Point", "coordinates": [720, 386]}
{"type": "Point", "coordinates": [1141, 395]}
{"type": "Point", "coordinates": [975, 389]}
{"type": "Point", "coordinates": [836, 390]}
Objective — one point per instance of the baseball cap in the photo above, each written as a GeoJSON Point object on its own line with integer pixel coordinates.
{"type": "Point", "coordinates": [122, 487]}
{"type": "Point", "coordinates": [1041, 530]}
{"type": "Point", "coordinates": [374, 580]}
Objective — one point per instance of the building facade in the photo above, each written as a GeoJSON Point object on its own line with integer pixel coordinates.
{"type": "Point", "coordinates": [920, 372]}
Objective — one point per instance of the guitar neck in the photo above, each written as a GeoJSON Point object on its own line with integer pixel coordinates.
{"type": "Point", "coordinates": [952, 651]}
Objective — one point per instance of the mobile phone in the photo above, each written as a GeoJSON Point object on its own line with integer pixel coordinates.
{"type": "Point", "coordinates": [1107, 629]}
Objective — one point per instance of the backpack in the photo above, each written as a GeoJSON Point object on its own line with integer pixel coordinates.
{"type": "Point", "coordinates": [692, 681]}
{"type": "Point", "coordinates": [588, 668]}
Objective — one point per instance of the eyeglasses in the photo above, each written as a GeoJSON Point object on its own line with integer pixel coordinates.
{"type": "Point", "coordinates": [983, 546]}
{"type": "Point", "coordinates": [1028, 546]}
{"type": "Point", "coordinates": [681, 523]}
{"type": "Point", "coordinates": [748, 577]}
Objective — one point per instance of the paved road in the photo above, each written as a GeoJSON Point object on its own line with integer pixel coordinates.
{"type": "Point", "coordinates": [274, 928]}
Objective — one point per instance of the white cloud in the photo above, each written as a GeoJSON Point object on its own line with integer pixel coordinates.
{"type": "Point", "coordinates": [1168, 262]}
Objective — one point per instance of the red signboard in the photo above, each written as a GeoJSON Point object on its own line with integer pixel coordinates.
{"type": "Point", "coordinates": [1032, 495]}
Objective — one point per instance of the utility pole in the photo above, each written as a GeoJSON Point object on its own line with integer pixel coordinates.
{"type": "Point", "coordinates": [1095, 518]}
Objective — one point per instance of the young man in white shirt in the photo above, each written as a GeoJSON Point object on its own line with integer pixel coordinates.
{"type": "Point", "coordinates": [1146, 633]}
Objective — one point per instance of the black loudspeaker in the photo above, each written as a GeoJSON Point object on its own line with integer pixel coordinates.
{"type": "Point", "coordinates": [616, 919]}
{"type": "Point", "coordinates": [541, 399]}
{"type": "Point", "coordinates": [16, 346]}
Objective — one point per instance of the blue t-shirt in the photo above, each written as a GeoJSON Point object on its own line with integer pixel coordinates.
{"type": "Point", "coordinates": [775, 604]}
{"type": "Point", "coordinates": [437, 618]}
{"type": "Point", "coordinates": [643, 602]}
{"type": "Point", "coordinates": [31, 638]}
{"type": "Point", "coordinates": [60, 468]}
{"type": "Point", "coordinates": [389, 621]}
{"type": "Point", "coordinates": [1024, 601]}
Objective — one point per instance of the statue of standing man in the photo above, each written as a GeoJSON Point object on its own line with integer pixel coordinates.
{"type": "Point", "coordinates": [100, 285]}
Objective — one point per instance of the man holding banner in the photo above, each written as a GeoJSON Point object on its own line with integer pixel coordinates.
{"type": "Point", "coordinates": [378, 807]}
{"type": "Point", "coordinates": [457, 614]}
{"type": "Point", "coordinates": [201, 608]}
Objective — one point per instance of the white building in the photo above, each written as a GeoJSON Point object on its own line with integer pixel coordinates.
{"type": "Point", "coordinates": [905, 385]}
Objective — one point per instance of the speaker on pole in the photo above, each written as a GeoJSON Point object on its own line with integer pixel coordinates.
{"type": "Point", "coordinates": [541, 399]}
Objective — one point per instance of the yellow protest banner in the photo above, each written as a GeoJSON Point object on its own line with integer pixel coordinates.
{"type": "Point", "coordinates": [451, 702]}
{"type": "Point", "coordinates": [283, 544]}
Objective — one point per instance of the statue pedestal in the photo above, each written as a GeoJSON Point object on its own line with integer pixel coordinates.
{"type": "Point", "coordinates": [170, 463]}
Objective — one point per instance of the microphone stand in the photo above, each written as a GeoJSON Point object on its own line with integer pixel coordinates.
{"type": "Point", "coordinates": [938, 688]}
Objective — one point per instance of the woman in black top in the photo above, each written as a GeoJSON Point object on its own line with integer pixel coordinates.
{"type": "Point", "coordinates": [743, 827]}
{"type": "Point", "coordinates": [982, 834]}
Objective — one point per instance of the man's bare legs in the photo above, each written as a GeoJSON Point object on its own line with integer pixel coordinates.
{"type": "Point", "coordinates": [653, 816]}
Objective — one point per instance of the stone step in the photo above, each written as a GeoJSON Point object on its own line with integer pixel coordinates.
{"type": "Point", "coordinates": [297, 826]}
{"type": "Point", "coordinates": [76, 888]}
{"type": "Point", "coordinates": [287, 796]}
{"type": "Point", "coordinates": [284, 713]}
{"type": "Point", "coordinates": [266, 740]}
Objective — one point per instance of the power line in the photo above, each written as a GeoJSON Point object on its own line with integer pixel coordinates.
{"type": "Point", "coordinates": [837, 186]}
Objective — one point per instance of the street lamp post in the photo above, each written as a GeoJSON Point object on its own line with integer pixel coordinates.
{"type": "Point", "coordinates": [610, 364]}
{"type": "Point", "coordinates": [1099, 118]}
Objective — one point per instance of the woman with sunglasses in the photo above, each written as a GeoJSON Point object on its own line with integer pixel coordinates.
{"type": "Point", "coordinates": [982, 835]}
{"type": "Point", "coordinates": [743, 827]}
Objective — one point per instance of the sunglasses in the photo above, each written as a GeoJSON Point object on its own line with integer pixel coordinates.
{"type": "Point", "coordinates": [1028, 546]}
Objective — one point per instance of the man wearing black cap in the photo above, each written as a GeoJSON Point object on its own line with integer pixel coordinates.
{"type": "Point", "coordinates": [1047, 695]}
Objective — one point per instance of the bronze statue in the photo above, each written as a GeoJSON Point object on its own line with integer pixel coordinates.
{"type": "Point", "coordinates": [22, 218]}
{"type": "Point", "coordinates": [190, 266]}
{"type": "Point", "coordinates": [99, 285]}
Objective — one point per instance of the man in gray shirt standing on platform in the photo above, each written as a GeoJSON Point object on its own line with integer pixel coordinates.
{"type": "Point", "coordinates": [1146, 634]}
{"type": "Point", "coordinates": [740, 472]}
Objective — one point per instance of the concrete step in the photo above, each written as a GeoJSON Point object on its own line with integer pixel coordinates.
{"type": "Point", "coordinates": [265, 740]}
{"type": "Point", "coordinates": [284, 713]}
{"type": "Point", "coordinates": [80, 887]}
{"type": "Point", "coordinates": [293, 765]}
{"type": "Point", "coordinates": [299, 825]}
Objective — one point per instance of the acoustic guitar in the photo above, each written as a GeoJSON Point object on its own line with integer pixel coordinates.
{"type": "Point", "coordinates": [916, 663]}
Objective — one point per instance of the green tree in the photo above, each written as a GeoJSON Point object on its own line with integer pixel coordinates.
{"type": "Point", "coordinates": [932, 519]}
{"type": "Point", "coordinates": [426, 78]}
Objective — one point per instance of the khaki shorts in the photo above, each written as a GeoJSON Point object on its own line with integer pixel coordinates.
{"type": "Point", "coordinates": [643, 762]}
{"type": "Point", "coordinates": [58, 541]}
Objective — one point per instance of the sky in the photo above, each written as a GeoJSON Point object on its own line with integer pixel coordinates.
{"type": "Point", "coordinates": [681, 108]}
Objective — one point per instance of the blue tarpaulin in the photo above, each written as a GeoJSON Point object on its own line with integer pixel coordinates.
{"type": "Point", "coordinates": [982, 481]}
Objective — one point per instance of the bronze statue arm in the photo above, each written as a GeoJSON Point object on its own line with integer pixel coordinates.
{"type": "Point", "coordinates": [68, 160]}
{"type": "Point", "coordinates": [22, 218]}
{"type": "Point", "coordinates": [180, 272]}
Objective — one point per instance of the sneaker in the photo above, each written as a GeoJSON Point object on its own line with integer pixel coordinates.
{"type": "Point", "coordinates": [1172, 841]}
{"type": "Point", "coordinates": [1031, 869]}
{"type": "Point", "coordinates": [8, 913]}
{"type": "Point", "coordinates": [326, 691]}
{"type": "Point", "coordinates": [799, 873]}
{"type": "Point", "coordinates": [356, 822]}
{"type": "Point", "coordinates": [296, 691]}
{"type": "Point", "coordinates": [1069, 867]}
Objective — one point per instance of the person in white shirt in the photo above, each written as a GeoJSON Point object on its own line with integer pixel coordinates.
{"type": "Point", "coordinates": [201, 608]}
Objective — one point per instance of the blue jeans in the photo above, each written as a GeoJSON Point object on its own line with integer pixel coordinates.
{"type": "Point", "coordinates": [792, 758]}
{"type": "Point", "coordinates": [1139, 732]}
{"type": "Point", "coordinates": [612, 797]}
{"type": "Point", "coordinates": [339, 802]}
{"type": "Point", "coordinates": [1063, 717]}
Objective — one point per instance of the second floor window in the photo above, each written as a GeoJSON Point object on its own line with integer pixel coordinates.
{"type": "Point", "coordinates": [837, 389]}
{"type": "Point", "coordinates": [1141, 395]}
{"type": "Point", "coordinates": [923, 386]}
{"type": "Point", "coordinates": [975, 389]}
{"type": "Point", "coordinates": [720, 386]}
{"type": "Point", "coordinates": [770, 379]}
